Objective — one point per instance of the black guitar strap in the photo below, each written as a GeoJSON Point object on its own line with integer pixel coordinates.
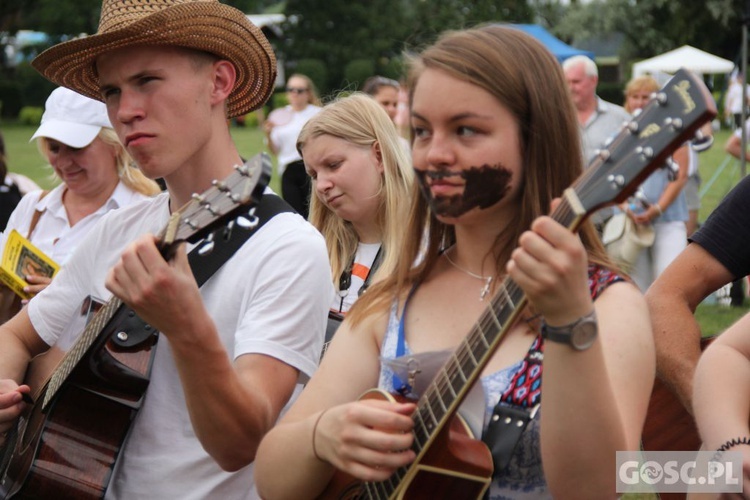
{"type": "Point", "coordinates": [204, 262]}
{"type": "Point", "coordinates": [227, 241]}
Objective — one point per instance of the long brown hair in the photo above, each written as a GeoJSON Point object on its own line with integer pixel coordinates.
{"type": "Point", "coordinates": [527, 80]}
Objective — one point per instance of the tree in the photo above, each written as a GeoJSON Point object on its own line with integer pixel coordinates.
{"type": "Point", "coordinates": [339, 31]}
{"type": "Point", "coordinates": [429, 18]}
{"type": "Point", "coordinates": [651, 27]}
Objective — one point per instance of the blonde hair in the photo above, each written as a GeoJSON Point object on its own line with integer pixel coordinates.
{"type": "Point", "coordinates": [360, 120]}
{"type": "Point", "coordinates": [130, 175]}
{"type": "Point", "coordinates": [639, 84]}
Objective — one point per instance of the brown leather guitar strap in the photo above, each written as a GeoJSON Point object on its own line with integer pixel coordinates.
{"type": "Point", "coordinates": [37, 214]}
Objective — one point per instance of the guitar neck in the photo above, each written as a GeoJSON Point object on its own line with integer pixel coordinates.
{"type": "Point", "coordinates": [464, 367]}
{"type": "Point", "coordinates": [81, 347]}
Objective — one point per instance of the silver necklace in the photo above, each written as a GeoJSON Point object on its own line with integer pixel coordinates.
{"type": "Point", "coordinates": [487, 279]}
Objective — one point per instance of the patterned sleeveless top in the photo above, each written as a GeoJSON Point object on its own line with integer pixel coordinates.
{"type": "Point", "coordinates": [518, 384]}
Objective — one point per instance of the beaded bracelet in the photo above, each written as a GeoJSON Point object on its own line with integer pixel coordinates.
{"type": "Point", "coordinates": [658, 208]}
{"type": "Point", "coordinates": [729, 444]}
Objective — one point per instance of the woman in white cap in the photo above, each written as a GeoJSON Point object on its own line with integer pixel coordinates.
{"type": "Point", "coordinates": [97, 175]}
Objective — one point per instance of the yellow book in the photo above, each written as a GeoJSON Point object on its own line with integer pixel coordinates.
{"type": "Point", "coordinates": [20, 259]}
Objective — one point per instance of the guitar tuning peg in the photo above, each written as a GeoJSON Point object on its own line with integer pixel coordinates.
{"type": "Point", "coordinates": [647, 152]}
{"type": "Point", "coordinates": [675, 123]}
{"type": "Point", "coordinates": [190, 223]}
{"type": "Point", "coordinates": [198, 197]}
{"type": "Point", "coordinates": [633, 127]}
{"type": "Point", "coordinates": [604, 154]}
{"type": "Point", "coordinates": [210, 209]}
{"type": "Point", "coordinates": [220, 186]}
{"type": "Point", "coordinates": [617, 181]}
{"type": "Point", "coordinates": [661, 98]}
{"type": "Point", "coordinates": [243, 170]}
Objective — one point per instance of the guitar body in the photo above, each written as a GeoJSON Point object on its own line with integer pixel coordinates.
{"type": "Point", "coordinates": [669, 426]}
{"type": "Point", "coordinates": [455, 466]}
{"type": "Point", "coordinates": [68, 449]}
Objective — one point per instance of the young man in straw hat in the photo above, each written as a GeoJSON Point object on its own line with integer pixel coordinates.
{"type": "Point", "coordinates": [231, 354]}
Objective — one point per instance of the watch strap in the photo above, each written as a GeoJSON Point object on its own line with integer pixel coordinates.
{"type": "Point", "coordinates": [562, 334]}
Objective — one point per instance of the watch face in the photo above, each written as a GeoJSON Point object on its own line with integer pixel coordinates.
{"type": "Point", "coordinates": [584, 335]}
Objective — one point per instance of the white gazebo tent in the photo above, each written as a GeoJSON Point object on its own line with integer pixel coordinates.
{"type": "Point", "coordinates": [686, 57]}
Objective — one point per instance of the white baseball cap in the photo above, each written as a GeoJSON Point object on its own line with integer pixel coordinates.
{"type": "Point", "coordinates": [72, 119]}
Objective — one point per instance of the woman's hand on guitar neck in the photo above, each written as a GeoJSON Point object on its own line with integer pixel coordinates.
{"type": "Point", "coordinates": [551, 266]}
{"type": "Point", "coordinates": [368, 439]}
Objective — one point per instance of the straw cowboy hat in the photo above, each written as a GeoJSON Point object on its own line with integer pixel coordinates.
{"type": "Point", "coordinates": [205, 25]}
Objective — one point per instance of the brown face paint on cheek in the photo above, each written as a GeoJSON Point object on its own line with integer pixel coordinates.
{"type": "Point", "coordinates": [484, 187]}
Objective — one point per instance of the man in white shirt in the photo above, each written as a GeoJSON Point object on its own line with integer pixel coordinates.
{"type": "Point", "coordinates": [233, 353]}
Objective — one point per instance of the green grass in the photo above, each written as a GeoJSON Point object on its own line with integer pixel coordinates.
{"type": "Point", "coordinates": [24, 158]}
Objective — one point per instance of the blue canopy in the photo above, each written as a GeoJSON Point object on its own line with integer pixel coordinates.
{"type": "Point", "coordinates": [559, 49]}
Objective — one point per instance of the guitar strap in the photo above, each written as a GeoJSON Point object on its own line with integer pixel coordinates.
{"type": "Point", "coordinates": [205, 263]}
{"type": "Point", "coordinates": [517, 407]}
{"type": "Point", "coordinates": [227, 242]}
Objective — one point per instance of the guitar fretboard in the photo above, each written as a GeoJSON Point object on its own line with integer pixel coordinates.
{"type": "Point", "coordinates": [79, 349]}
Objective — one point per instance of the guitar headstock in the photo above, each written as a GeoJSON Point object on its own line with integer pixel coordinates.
{"type": "Point", "coordinates": [672, 117]}
{"type": "Point", "coordinates": [239, 192]}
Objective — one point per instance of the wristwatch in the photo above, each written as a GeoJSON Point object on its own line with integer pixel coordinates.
{"type": "Point", "coordinates": [580, 335]}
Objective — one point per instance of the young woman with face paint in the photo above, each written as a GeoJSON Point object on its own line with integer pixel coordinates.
{"type": "Point", "coordinates": [495, 141]}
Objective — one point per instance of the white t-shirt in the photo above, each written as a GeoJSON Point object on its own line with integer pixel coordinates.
{"type": "Point", "coordinates": [270, 298]}
{"type": "Point", "coordinates": [363, 260]}
{"type": "Point", "coordinates": [53, 234]}
{"type": "Point", "coordinates": [284, 137]}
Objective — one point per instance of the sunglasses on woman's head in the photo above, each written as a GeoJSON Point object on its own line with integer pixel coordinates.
{"type": "Point", "coordinates": [295, 90]}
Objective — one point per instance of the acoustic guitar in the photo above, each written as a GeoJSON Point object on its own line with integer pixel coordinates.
{"type": "Point", "coordinates": [449, 462]}
{"type": "Point", "coordinates": [66, 444]}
